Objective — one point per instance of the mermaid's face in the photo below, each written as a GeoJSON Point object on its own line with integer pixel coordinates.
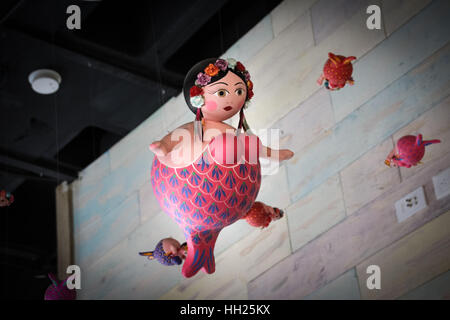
{"type": "Point", "coordinates": [224, 98]}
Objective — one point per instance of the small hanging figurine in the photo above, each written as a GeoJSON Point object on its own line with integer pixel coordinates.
{"type": "Point", "coordinates": [58, 290]}
{"type": "Point", "coordinates": [260, 215]}
{"type": "Point", "coordinates": [408, 151]}
{"type": "Point", "coordinates": [168, 252]}
{"type": "Point", "coordinates": [206, 174]}
{"type": "Point", "coordinates": [6, 198]}
{"type": "Point", "coordinates": [337, 72]}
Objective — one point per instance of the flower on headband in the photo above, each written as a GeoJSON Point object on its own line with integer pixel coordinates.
{"type": "Point", "coordinates": [249, 85]}
{"type": "Point", "coordinates": [240, 67]}
{"type": "Point", "coordinates": [195, 91]}
{"type": "Point", "coordinates": [202, 79]}
{"type": "Point", "coordinates": [211, 70]}
{"type": "Point", "coordinates": [246, 104]}
{"type": "Point", "coordinates": [231, 63]}
{"type": "Point", "coordinates": [221, 64]}
{"type": "Point", "coordinates": [247, 76]}
{"type": "Point", "coordinates": [249, 94]}
{"type": "Point", "coordinates": [197, 101]}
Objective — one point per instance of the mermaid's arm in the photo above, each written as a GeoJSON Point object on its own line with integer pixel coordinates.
{"type": "Point", "coordinates": [164, 146]}
{"type": "Point", "coordinates": [269, 153]}
{"type": "Point", "coordinates": [279, 155]}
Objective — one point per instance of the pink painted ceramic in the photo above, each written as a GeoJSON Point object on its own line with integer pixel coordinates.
{"type": "Point", "coordinates": [408, 151]}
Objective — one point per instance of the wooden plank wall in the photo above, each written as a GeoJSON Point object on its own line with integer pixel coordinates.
{"type": "Point", "coordinates": [337, 193]}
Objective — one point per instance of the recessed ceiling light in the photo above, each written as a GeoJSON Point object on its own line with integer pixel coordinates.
{"type": "Point", "coordinates": [44, 81]}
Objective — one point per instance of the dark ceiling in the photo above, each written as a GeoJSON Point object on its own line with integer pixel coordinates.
{"type": "Point", "coordinates": [128, 58]}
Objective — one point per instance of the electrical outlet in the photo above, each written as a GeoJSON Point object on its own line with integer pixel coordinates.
{"type": "Point", "coordinates": [441, 184]}
{"type": "Point", "coordinates": [410, 204]}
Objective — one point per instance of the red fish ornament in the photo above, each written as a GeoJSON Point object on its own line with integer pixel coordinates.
{"type": "Point", "coordinates": [337, 72]}
{"type": "Point", "coordinates": [6, 198]}
{"type": "Point", "coordinates": [408, 151]}
{"type": "Point", "coordinates": [260, 215]}
{"type": "Point", "coordinates": [58, 290]}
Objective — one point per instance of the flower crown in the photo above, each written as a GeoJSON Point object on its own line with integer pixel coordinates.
{"type": "Point", "coordinates": [204, 78]}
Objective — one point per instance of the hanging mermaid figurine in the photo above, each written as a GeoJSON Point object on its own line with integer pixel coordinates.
{"type": "Point", "coordinates": [206, 174]}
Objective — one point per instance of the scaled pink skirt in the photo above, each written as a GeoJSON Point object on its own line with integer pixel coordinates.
{"type": "Point", "coordinates": [209, 194]}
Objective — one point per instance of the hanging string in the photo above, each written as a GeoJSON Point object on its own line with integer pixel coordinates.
{"type": "Point", "coordinates": [238, 131]}
{"type": "Point", "coordinates": [244, 120]}
{"type": "Point", "coordinates": [91, 113]}
{"type": "Point", "coordinates": [55, 104]}
{"type": "Point", "coordinates": [222, 51]}
{"type": "Point", "coordinates": [157, 62]}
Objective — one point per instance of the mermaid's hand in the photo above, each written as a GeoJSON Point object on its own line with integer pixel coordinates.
{"type": "Point", "coordinates": [285, 154]}
{"type": "Point", "coordinates": [158, 149]}
{"type": "Point", "coordinates": [276, 155]}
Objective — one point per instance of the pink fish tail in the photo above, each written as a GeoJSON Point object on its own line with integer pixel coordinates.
{"type": "Point", "coordinates": [428, 142]}
{"type": "Point", "coordinates": [200, 253]}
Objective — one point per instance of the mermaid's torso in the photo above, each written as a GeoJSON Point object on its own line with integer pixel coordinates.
{"type": "Point", "coordinates": [215, 190]}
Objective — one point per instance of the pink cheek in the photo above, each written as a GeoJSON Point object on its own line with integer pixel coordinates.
{"type": "Point", "coordinates": [211, 105]}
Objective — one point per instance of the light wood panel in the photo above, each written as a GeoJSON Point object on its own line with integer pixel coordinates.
{"type": "Point", "coordinates": [252, 42]}
{"type": "Point", "coordinates": [370, 229]}
{"type": "Point", "coordinates": [435, 289]}
{"type": "Point", "coordinates": [395, 56]}
{"type": "Point", "coordinates": [398, 12]}
{"type": "Point", "coordinates": [121, 273]}
{"type": "Point", "coordinates": [274, 189]}
{"type": "Point", "coordinates": [287, 12]}
{"type": "Point", "coordinates": [288, 67]}
{"type": "Point", "coordinates": [316, 213]}
{"type": "Point", "coordinates": [343, 288]}
{"type": "Point", "coordinates": [138, 140]}
{"type": "Point", "coordinates": [148, 204]}
{"type": "Point", "coordinates": [403, 101]}
{"type": "Point", "coordinates": [411, 261]}
{"type": "Point", "coordinates": [86, 185]}
{"type": "Point", "coordinates": [368, 177]}
{"type": "Point", "coordinates": [329, 15]}
{"type": "Point", "coordinates": [108, 192]}
{"type": "Point", "coordinates": [106, 230]}
{"type": "Point", "coordinates": [309, 121]}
